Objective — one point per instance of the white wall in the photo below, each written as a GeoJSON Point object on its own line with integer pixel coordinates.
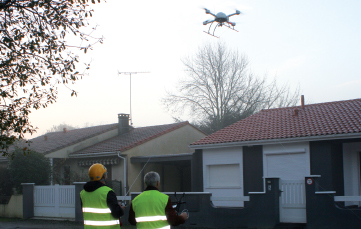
{"type": "Point", "coordinates": [351, 167]}
{"type": "Point", "coordinates": [223, 174]}
{"type": "Point", "coordinates": [14, 209]}
{"type": "Point", "coordinates": [174, 142]}
{"type": "Point", "coordinates": [118, 173]}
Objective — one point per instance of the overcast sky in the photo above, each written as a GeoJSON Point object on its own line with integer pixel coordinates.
{"type": "Point", "coordinates": [313, 44]}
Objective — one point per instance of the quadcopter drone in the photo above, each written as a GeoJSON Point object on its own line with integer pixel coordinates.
{"type": "Point", "coordinates": [222, 20]}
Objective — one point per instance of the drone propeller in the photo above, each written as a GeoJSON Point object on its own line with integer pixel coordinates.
{"type": "Point", "coordinates": [209, 12]}
{"type": "Point", "coordinates": [207, 22]}
{"type": "Point", "coordinates": [236, 13]}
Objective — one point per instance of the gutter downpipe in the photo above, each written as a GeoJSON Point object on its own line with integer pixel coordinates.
{"type": "Point", "coordinates": [52, 170]}
{"type": "Point", "coordinates": [125, 170]}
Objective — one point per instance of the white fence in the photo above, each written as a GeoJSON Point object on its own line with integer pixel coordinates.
{"type": "Point", "coordinates": [54, 201]}
{"type": "Point", "coordinates": [57, 201]}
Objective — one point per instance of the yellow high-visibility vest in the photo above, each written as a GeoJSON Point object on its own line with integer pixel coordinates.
{"type": "Point", "coordinates": [149, 209]}
{"type": "Point", "coordinates": [95, 210]}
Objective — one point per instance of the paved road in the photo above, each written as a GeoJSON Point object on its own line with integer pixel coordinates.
{"type": "Point", "coordinates": [9, 223]}
{"type": "Point", "coordinates": [6, 223]}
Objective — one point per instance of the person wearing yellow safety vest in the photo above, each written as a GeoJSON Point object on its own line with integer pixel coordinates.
{"type": "Point", "coordinates": [153, 209]}
{"type": "Point", "coordinates": [99, 202]}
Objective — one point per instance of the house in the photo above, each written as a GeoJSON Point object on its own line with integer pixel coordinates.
{"type": "Point", "coordinates": [296, 165]}
{"type": "Point", "coordinates": [127, 152]}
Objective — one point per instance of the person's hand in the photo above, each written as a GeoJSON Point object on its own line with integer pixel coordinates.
{"type": "Point", "coordinates": [184, 215]}
{"type": "Point", "coordinates": [123, 207]}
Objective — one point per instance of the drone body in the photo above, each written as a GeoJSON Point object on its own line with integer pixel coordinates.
{"type": "Point", "coordinates": [222, 20]}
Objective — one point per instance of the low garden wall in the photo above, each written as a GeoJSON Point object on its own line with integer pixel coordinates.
{"type": "Point", "coordinates": [14, 209]}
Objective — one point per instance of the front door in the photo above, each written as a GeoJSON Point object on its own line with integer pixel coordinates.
{"type": "Point", "coordinates": [291, 168]}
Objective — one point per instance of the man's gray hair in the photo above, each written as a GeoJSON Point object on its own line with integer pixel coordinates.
{"type": "Point", "coordinates": [151, 178]}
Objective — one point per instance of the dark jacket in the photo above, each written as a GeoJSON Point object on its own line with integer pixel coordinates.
{"type": "Point", "coordinates": [172, 217]}
{"type": "Point", "coordinates": [112, 201]}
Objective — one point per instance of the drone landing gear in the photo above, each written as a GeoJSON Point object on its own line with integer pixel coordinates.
{"type": "Point", "coordinates": [218, 25]}
{"type": "Point", "coordinates": [212, 34]}
{"type": "Point", "coordinates": [232, 28]}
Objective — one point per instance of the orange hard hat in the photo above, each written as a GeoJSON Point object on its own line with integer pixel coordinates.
{"type": "Point", "coordinates": [96, 172]}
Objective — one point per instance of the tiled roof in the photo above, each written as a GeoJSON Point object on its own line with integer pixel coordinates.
{"type": "Point", "coordinates": [332, 118]}
{"type": "Point", "coordinates": [133, 138]}
{"type": "Point", "coordinates": [58, 140]}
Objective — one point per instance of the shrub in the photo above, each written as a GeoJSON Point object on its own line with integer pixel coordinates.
{"type": "Point", "coordinates": [6, 187]}
{"type": "Point", "coordinates": [32, 167]}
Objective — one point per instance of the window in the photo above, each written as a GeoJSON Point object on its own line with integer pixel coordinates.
{"type": "Point", "coordinates": [224, 176]}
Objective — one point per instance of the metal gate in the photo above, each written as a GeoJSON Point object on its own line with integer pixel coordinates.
{"type": "Point", "coordinates": [292, 201]}
{"type": "Point", "coordinates": [54, 201]}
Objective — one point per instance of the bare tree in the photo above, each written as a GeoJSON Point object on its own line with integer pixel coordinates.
{"type": "Point", "coordinates": [60, 128]}
{"type": "Point", "coordinates": [220, 90]}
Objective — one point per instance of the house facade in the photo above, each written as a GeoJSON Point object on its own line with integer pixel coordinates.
{"type": "Point", "coordinates": [136, 151]}
{"type": "Point", "coordinates": [312, 152]}
{"type": "Point", "coordinates": [126, 151]}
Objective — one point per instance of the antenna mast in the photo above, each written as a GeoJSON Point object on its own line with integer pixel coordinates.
{"type": "Point", "coordinates": [130, 92]}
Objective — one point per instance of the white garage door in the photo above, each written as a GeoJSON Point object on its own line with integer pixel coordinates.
{"type": "Point", "coordinates": [286, 166]}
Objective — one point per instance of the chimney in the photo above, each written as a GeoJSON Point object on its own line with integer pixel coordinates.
{"type": "Point", "coordinates": [302, 101]}
{"type": "Point", "coordinates": [45, 137]}
{"type": "Point", "coordinates": [65, 130]}
{"type": "Point", "coordinates": [123, 123]}
{"type": "Point", "coordinates": [295, 112]}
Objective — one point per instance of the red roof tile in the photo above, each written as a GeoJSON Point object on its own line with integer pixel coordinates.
{"type": "Point", "coordinates": [133, 138]}
{"type": "Point", "coordinates": [332, 118]}
{"type": "Point", "coordinates": [58, 140]}
{"type": "Point", "coordinates": [136, 136]}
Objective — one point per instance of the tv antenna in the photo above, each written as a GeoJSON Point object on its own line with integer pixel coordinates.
{"type": "Point", "coordinates": [130, 91]}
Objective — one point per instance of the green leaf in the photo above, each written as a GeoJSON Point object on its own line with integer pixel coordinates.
{"type": "Point", "coordinates": [31, 51]}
